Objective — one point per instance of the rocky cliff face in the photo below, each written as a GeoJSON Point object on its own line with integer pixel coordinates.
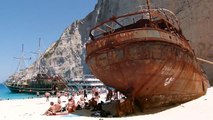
{"type": "Point", "coordinates": [66, 56]}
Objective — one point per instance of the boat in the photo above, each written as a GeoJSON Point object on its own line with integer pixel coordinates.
{"type": "Point", "coordinates": [146, 57]}
{"type": "Point", "coordinates": [87, 81]}
{"type": "Point", "coordinates": [40, 82]}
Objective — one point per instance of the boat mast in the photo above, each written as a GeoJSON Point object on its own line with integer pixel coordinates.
{"type": "Point", "coordinates": [38, 67]}
{"type": "Point", "coordinates": [22, 59]}
{"type": "Point", "coordinates": [39, 55]}
{"type": "Point", "coordinates": [148, 7]}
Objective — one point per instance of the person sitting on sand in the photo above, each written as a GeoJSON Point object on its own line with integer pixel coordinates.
{"type": "Point", "coordinates": [51, 110]}
{"type": "Point", "coordinates": [80, 103]}
{"type": "Point", "coordinates": [93, 103]}
{"type": "Point", "coordinates": [87, 105]}
{"type": "Point", "coordinates": [58, 107]}
{"type": "Point", "coordinates": [70, 105]}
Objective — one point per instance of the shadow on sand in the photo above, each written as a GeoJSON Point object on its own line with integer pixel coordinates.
{"type": "Point", "coordinates": [111, 107]}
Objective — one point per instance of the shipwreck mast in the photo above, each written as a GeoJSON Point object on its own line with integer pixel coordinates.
{"type": "Point", "coordinates": [148, 7]}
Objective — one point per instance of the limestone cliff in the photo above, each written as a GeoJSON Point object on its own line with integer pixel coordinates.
{"type": "Point", "coordinates": [66, 56]}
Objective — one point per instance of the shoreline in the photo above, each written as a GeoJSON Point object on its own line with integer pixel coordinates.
{"type": "Point", "coordinates": [33, 108]}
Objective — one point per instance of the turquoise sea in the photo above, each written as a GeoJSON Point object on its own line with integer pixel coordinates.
{"type": "Point", "coordinates": [5, 94]}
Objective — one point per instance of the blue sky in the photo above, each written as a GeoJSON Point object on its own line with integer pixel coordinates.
{"type": "Point", "coordinates": [25, 21]}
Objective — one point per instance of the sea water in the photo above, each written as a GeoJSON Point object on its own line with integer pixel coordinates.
{"type": "Point", "coordinates": [6, 94]}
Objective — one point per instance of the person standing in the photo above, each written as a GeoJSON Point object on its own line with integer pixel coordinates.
{"type": "Point", "coordinates": [109, 95]}
{"type": "Point", "coordinates": [37, 93]}
{"type": "Point", "coordinates": [85, 93]}
{"type": "Point", "coordinates": [47, 95]}
{"type": "Point", "coordinates": [59, 96]}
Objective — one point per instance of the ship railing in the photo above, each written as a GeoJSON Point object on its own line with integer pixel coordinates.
{"type": "Point", "coordinates": [114, 23]}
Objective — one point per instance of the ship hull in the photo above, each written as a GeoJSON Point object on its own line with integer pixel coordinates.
{"type": "Point", "coordinates": [28, 90]}
{"type": "Point", "coordinates": [148, 67]}
{"type": "Point", "coordinates": [33, 87]}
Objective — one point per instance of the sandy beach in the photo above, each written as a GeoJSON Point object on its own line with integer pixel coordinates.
{"type": "Point", "coordinates": [32, 109]}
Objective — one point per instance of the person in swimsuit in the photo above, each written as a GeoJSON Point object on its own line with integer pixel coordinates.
{"type": "Point", "coordinates": [71, 105]}
{"type": "Point", "coordinates": [51, 110]}
{"type": "Point", "coordinates": [58, 107]}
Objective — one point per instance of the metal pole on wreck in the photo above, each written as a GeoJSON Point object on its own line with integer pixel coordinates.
{"type": "Point", "coordinates": [148, 7]}
{"type": "Point", "coordinates": [206, 61]}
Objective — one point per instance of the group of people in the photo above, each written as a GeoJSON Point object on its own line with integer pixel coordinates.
{"type": "Point", "coordinates": [83, 102]}
{"type": "Point", "coordinates": [71, 105]}
{"type": "Point", "coordinates": [59, 109]}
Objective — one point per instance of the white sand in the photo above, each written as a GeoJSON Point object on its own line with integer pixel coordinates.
{"type": "Point", "coordinates": [32, 109]}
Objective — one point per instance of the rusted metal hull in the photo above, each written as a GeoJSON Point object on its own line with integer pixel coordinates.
{"type": "Point", "coordinates": [154, 67]}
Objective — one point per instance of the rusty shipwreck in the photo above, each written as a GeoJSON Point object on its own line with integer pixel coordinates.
{"type": "Point", "coordinates": [146, 57]}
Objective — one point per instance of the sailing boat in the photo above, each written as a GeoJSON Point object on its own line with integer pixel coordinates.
{"type": "Point", "coordinates": [41, 82]}
{"type": "Point", "coordinates": [145, 56]}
